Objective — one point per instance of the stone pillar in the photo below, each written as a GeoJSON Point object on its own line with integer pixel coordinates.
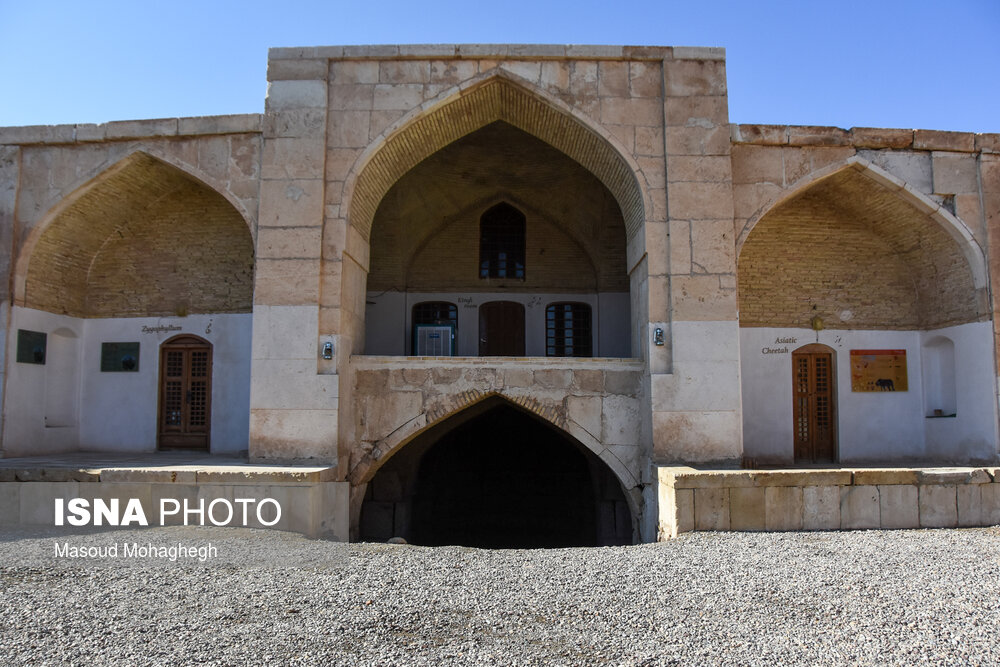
{"type": "Point", "coordinates": [696, 401]}
{"type": "Point", "coordinates": [9, 163]}
{"type": "Point", "coordinates": [293, 408]}
{"type": "Point", "coordinates": [989, 177]}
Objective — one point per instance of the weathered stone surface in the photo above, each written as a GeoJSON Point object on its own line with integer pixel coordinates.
{"type": "Point", "coordinates": [877, 137]}
{"type": "Point", "coordinates": [799, 135]}
{"type": "Point", "coordinates": [711, 509]}
{"type": "Point", "coordinates": [859, 507]}
{"type": "Point", "coordinates": [10, 503]}
{"type": "Point", "coordinates": [990, 499]}
{"type": "Point", "coordinates": [747, 508]}
{"type": "Point", "coordinates": [955, 173]}
{"type": "Point", "coordinates": [938, 506]}
{"type": "Point", "coordinates": [821, 507]}
{"type": "Point", "coordinates": [898, 506]}
{"type": "Point", "coordinates": [768, 135]}
{"type": "Point", "coordinates": [784, 507]}
{"type": "Point", "coordinates": [970, 504]}
{"type": "Point", "coordinates": [885, 476]}
{"type": "Point", "coordinates": [936, 140]}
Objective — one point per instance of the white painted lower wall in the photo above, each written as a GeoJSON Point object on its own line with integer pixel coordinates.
{"type": "Point", "coordinates": [388, 322]}
{"type": "Point", "coordinates": [875, 426]}
{"type": "Point", "coordinates": [89, 410]}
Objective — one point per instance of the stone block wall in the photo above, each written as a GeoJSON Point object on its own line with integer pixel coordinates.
{"type": "Point", "coordinates": [598, 403]}
{"type": "Point", "coordinates": [838, 499]}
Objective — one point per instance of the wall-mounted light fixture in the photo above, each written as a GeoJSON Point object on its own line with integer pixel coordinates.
{"type": "Point", "coordinates": [658, 336]}
{"type": "Point", "coordinates": [816, 323]}
{"type": "Point", "coordinates": [328, 350]}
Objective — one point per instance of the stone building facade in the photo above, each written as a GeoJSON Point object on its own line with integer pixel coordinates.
{"type": "Point", "coordinates": [621, 279]}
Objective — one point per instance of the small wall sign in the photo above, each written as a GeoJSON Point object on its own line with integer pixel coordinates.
{"type": "Point", "coordinates": [878, 370]}
{"type": "Point", "coordinates": [31, 347]}
{"type": "Point", "coordinates": [119, 357]}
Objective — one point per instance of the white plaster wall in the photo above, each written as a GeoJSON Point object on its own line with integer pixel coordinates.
{"type": "Point", "coordinates": [25, 432]}
{"type": "Point", "coordinates": [972, 434]}
{"type": "Point", "coordinates": [876, 426]}
{"type": "Point", "coordinates": [118, 411]}
{"type": "Point", "coordinates": [388, 320]}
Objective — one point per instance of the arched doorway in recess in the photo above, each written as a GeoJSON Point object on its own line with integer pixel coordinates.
{"type": "Point", "coordinates": [496, 476]}
{"type": "Point", "coordinates": [814, 408]}
{"type": "Point", "coordinates": [185, 414]}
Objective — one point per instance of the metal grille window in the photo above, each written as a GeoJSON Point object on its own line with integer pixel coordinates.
{"type": "Point", "coordinates": [568, 330]}
{"type": "Point", "coordinates": [501, 243]}
{"type": "Point", "coordinates": [435, 312]}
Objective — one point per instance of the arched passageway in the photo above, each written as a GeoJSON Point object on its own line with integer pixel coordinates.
{"type": "Point", "coordinates": [499, 478]}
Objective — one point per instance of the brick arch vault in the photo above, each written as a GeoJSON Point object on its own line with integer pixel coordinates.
{"type": "Point", "coordinates": [470, 106]}
{"type": "Point", "coordinates": [77, 246]}
{"type": "Point", "coordinates": [516, 455]}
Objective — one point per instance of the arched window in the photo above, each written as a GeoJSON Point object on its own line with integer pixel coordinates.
{"type": "Point", "coordinates": [939, 377]}
{"type": "Point", "coordinates": [568, 330]}
{"type": "Point", "coordinates": [501, 243]}
{"type": "Point", "coordinates": [428, 319]}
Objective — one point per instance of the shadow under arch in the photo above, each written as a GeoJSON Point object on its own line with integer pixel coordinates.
{"type": "Point", "coordinates": [955, 228]}
{"type": "Point", "coordinates": [494, 475]}
{"type": "Point", "coordinates": [122, 197]}
{"type": "Point", "coordinates": [926, 266]}
{"type": "Point", "coordinates": [494, 96]}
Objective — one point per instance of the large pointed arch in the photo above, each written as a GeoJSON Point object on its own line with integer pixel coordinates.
{"type": "Point", "coordinates": [63, 250]}
{"type": "Point", "coordinates": [857, 243]}
{"type": "Point", "coordinates": [878, 177]}
{"type": "Point", "coordinates": [494, 96]}
{"type": "Point", "coordinates": [480, 411]}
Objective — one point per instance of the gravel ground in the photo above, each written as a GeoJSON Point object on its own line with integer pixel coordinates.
{"type": "Point", "coordinates": [875, 597]}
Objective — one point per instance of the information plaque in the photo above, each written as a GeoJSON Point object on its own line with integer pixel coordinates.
{"type": "Point", "coordinates": [119, 357]}
{"type": "Point", "coordinates": [878, 370]}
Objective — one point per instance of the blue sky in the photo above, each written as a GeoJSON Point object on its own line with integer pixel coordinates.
{"type": "Point", "coordinates": [914, 64]}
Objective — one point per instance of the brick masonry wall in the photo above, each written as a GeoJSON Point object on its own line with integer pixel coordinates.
{"type": "Point", "coordinates": [146, 241]}
{"type": "Point", "coordinates": [426, 231]}
{"type": "Point", "coordinates": [856, 255]}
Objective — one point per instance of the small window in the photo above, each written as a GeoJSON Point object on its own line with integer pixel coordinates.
{"type": "Point", "coordinates": [568, 330]}
{"type": "Point", "coordinates": [501, 243]}
{"type": "Point", "coordinates": [435, 312]}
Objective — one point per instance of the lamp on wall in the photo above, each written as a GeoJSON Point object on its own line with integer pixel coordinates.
{"type": "Point", "coordinates": [816, 323]}
{"type": "Point", "coordinates": [658, 336]}
{"type": "Point", "coordinates": [328, 350]}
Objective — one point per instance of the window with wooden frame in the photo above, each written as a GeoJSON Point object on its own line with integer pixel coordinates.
{"type": "Point", "coordinates": [501, 243]}
{"type": "Point", "coordinates": [568, 330]}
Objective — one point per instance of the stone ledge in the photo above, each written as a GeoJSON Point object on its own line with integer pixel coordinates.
{"type": "Point", "coordinates": [887, 498]}
{"type": "Point", "coordinates": [131, 129]}
{"type": "Point", "coordinates": [496, 51]}
{"type": "Point", "coordinates": [863, 137]}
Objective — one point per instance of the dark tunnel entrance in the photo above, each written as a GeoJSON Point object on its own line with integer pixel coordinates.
{"type": "Point", "coordinates": [499, 478]}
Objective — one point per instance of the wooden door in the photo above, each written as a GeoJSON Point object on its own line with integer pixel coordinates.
{"type": "Point", "coordinates": [501, 329]}
{"type": "Point", "coordinates": [814, 406]}
{"type": "Point", "coordinates": [185, 394]}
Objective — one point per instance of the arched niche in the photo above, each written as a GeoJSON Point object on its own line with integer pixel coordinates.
{"type": "Point", "coordinates": [145, 238]}
{"type": "Point", "coordinates": [938, 364]}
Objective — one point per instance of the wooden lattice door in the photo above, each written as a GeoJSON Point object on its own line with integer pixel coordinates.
{"type": "Point", "coordinates": [185, 394]}
{"type": "Point", "coordinates": [814, 406]}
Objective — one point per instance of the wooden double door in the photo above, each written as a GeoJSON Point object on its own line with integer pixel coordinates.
{"type": "Point", "coordinates": [185, 414]}
{"type": "Point", "coordinates": [814, 404]}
